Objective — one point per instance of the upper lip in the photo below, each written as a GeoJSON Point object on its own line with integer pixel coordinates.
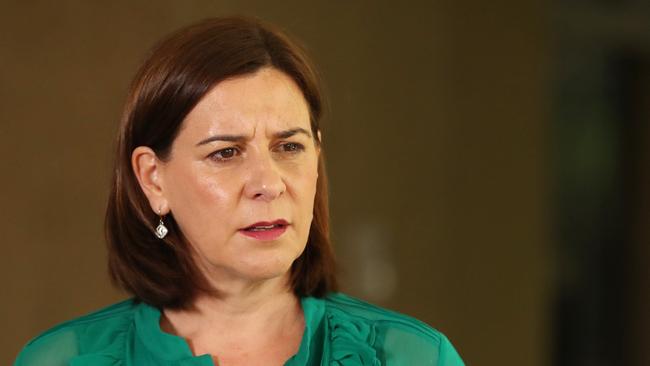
{"type": "Point", "coordinates": [267, 223]}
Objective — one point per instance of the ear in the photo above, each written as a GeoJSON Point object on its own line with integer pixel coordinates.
{"type": "Point", "coordinates": [320, 142]}
{"type": "Point", "coordinates": [148, 170]}
{"type": "Point", "coordinates": [318, 148]}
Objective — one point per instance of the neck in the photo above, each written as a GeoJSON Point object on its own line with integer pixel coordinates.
{"type": "Point", "coordinates": [242, 314]}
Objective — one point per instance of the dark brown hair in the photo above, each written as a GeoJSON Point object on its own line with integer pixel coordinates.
{"type": "Point", "coordinates": [178, 72]}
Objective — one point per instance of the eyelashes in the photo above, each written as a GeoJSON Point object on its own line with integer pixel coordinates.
{"type": "Point", "coordinates": [286, 150]}
{"type": "Point", "coordinates": [225, 154]}
{"type": "Point", "coordinates": [292, 147]}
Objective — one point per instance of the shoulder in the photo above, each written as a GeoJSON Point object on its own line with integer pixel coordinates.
{"type": "Point", "coordinates": [100, 330]}
{"type": "Point", "coordinates": [397, 339]}
{"type": "Point", "coordinates": [379, 316]}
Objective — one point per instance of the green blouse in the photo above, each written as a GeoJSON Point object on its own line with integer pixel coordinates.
{"type": "Point", "coordinates": [339, 330]}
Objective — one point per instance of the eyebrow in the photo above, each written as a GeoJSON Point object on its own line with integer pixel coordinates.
{"type": "Point", "coordinates": [238, 138]}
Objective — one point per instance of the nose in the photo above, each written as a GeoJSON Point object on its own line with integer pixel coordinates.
{"type": "Point", "coordinates": [265, 181]}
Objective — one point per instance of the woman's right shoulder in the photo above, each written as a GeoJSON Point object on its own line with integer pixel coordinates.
{"type": "Point", "coordinates": [102, 331]}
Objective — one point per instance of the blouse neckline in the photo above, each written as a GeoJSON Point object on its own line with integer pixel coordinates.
{"type": "Point", "coordinates": [171, 347]}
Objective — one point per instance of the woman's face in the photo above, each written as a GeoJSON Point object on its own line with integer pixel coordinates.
{"type": "Point", "coordinates": [241, 177]}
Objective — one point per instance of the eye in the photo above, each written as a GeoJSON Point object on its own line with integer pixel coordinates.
{"type": "Point", "coordinates": [225, 154]}
{"type": "Point", "coordinates": [291, 147]}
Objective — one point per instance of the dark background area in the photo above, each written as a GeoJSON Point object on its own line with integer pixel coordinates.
{"type": "Point", "coordinates": [489, 162]}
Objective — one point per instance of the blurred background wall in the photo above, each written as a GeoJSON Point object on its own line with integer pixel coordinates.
{"type": "Point", "coordinates": [488, 162]}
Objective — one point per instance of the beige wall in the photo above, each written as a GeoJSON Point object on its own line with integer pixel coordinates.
{"type": "Point", "coordinates": [435, 143]}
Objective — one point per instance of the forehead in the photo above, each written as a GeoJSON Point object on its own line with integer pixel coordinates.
{"type": "Point", "coordinates": [267, 98]}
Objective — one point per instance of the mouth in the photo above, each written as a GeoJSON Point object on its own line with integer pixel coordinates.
{"type": "Point", "coordinates": [265, 230]}
{"type": "Point", "coordinates": [266, 225]}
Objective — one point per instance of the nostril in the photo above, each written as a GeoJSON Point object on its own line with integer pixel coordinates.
{"type": "Point", "coordinates": [265, 188]}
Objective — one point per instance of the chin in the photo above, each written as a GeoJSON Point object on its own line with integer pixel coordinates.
{"type": "Point", "coordinates": [267, 268]}
{"type": "Point", "coordinates": [262, 263]}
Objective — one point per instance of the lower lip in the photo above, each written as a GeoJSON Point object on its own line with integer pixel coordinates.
{"type": "Point", "coordinates": [265, 235]}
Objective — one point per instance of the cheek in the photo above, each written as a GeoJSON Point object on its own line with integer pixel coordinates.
{"type": "Point", "coordinates": [307, 194]}
{"type": "Point", "coordinates": [196, 199]}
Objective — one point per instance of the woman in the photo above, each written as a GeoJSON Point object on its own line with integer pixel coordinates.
{"type": "Point", "coordinates": [217, 222]}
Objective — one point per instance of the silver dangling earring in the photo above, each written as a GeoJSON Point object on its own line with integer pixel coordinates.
{"type": "Point", "coordinates": [161, 229]}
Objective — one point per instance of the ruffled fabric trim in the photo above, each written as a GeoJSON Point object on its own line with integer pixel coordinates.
{"type": "Point", "coordinates": [351, 340]}
{"type": "Point", "coordinates": [105, 348]}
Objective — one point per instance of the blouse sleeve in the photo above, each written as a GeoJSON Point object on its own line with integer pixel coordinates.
{"type": "Point", "coordinates": [54, 349]}
{"type": "Point", "coordinates": [403, 346]}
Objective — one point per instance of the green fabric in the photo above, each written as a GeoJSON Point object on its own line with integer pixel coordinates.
{"type": "Point", "coordinates": [339, 331]}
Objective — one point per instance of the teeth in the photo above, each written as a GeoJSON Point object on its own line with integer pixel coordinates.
{"type": "Point", "coordinates": [260, 228]}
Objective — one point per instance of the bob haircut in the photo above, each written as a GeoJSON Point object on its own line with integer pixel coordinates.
{"type": "Point", "coordinates": [177, 73]}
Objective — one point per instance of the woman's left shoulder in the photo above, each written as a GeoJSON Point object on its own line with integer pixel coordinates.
{"type": "Point", "coordinates": [379, 317]}
{"type": "Point", "coordinates": [395, 338]}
